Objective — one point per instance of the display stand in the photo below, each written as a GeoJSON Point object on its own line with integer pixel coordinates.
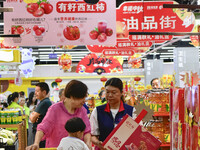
{"type": "Point", "coordinates": [22, 133]}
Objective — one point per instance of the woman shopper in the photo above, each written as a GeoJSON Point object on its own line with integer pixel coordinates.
{"type": "Point", "coordinates": [32, 103]}
{"type": "Point", "coordinates": [105, 118]}
{"type": "Point", "coordinates": [12, 101]}
{"type": "Point", "coordinates": [52, 128]}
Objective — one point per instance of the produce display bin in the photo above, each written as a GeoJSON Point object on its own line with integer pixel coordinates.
{"type": "Point", "coordinates": [22, 134]}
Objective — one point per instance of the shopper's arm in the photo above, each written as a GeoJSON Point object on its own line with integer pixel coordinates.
{"type": "Point", "coordinates": [38, 138]}
{"type": "Point", "coordinates": [87, 140]}
{"type": "Point", "coordinates": [96, 142]}
{"type": "Point", "coordinates": [34, 116]}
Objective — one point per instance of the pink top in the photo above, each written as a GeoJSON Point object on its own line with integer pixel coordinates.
{"type": "Point", "coordinates": [53, 124]}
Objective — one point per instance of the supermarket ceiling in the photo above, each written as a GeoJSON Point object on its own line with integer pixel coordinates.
{"type": "Point", "coordinates": [163, 52]}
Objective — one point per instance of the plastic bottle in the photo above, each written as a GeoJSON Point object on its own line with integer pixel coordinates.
{"type": "Point", "coordinates": [11, 115]}
{"type": "Point", "coordinates": [19, 115]}
{"type": "Point", "coordinates": [8, 117]}
{"type": "Point", "coordinates": [15, 117]}
{"type": "Point", "coordinates": [5, 114]}
{"type": "Point", "coordinates": [167, 133]}
{"type": "Point", "coordinates": [3, 118]}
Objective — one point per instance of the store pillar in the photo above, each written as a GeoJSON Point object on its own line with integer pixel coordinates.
{"type": "Point", "coordinates": [186, 60]}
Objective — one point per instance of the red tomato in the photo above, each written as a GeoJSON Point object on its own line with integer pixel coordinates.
{"type": "Point", "coordinates": [38, 32]}
{"type": "Point", "coordinates": [35, 27]}
{"type": "Point", "coordinates": [93, 34]}
{"type": "Point", "coordinates": [109, 31]}
{"type": "Point", "coordinates": [13, 29]}
{"type": "Point", "coordinates": [20, 29]}
{"type": "Point", "coordinates": [39, 12]}
{"type": "Point", "coordinates": [32, 7]}
{"type": "Point", "coordinates": [48, 8]}
{"type": "Point", "coordinates": [71, 33]}
{"type": "Point", "coordinates": [42, 29]}
{"type": "Point", "coordinates": [102, 37]}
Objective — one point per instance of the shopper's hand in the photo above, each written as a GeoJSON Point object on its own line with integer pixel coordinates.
{"type": "Point", "coordinates": [89, 144]}
{"type": "Point", "coordinates": [33, 147]}
{"type": "Point", "coordinates": [100, 145]}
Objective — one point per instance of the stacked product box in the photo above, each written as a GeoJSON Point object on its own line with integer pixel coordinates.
{"type": "Point", "coordinates": [185, 118]}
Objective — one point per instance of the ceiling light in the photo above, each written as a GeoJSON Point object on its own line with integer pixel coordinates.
{"type": "Point", "coordinates": [168, 47]}
{"type": "Point", "coordinates": [186, 40]}
{"type": "Point", "coordinates": [166, 56]}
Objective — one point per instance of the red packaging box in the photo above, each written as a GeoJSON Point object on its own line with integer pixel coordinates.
{"type": "Point", "coordinates": [129, 135]}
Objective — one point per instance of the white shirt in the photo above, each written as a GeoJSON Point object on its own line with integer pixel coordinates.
{"type": "Point", "coordinates": [72, 143]}
{"type": "Point", "coordinates": [94, 122]}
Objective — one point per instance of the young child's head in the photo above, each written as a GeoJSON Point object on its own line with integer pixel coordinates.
{"type": "Point", "coordinates": [75, 127]}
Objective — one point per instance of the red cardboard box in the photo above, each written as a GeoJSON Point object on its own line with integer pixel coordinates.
{"type": "Point", "coordinates": [129, 135]}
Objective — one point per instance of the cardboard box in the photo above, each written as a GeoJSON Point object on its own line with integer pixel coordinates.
{"type": "Point", "coordinates": [129, 135]}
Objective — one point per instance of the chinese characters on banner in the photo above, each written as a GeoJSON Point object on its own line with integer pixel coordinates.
{"type": "Point", "coordinates": [145, 17]}
{"type": "Point", "coordinates": [56, 22]}
{"type": "Point", "coordinates": [99, 64]}
{"type": "Point", "coordinates": [152, 17]}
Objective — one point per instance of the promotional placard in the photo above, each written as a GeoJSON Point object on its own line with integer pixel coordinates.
{"type": "Point", "coordinates": [57, 22]}
{"type": "Point", "coordinates": [129, 135]}
{"type": "Point", "coordinates": [144, 17]}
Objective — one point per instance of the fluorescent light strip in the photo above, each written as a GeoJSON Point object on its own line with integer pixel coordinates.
{"type": "Point", "coordinates": [186, 40]}
{"type": "Point", "coordinates": [166, 56]}
{"type": "Point", "coordinates": [168, 47]}
{"type": "Point", "coordinates": [166, 53]}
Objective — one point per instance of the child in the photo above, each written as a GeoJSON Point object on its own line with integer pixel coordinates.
{"type": "Point", "coordinates": [75, 128]}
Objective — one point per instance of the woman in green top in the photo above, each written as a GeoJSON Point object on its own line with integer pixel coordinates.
{"type": "Point", "coordinates": [27, 112]}
{"type": "Point", "coordinates": [12, 101]}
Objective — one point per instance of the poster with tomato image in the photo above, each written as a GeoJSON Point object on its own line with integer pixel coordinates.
{"type": "Point", "coordinates": [122, 45]}
{"type": "Point", "coordinates": [57, 22]}
{"type": "Point", "coordinates": [144, 17]}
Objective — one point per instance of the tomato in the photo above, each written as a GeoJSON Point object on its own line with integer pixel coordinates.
{"type": "Point", "coordinates": [93, 34]}
{"type": "Point", "coordinates": [38, 32]}
{"type": "Point", "coordinates": [48, 8]}
{"type": "Point", "coordinates": [20, 29]}
{"type": "Point", "coordinates": [13, 29]}
{"type": "Point", "coordinates": [32, 7]}
{"type": "Point", "coordinates": [15, 32]}
{"type": "Point", "coordinates": [35, 27]}
{"type": "Point", "coordinates": [39, 12]}
{"type": "Point", "coordinates": [42, 29]}
{"type": "Point", "coordinates": [109, 31]}
{"type": "Point", "coordinates": [71, 33]}
{"type": "Point", "coordinates": [102, 37]}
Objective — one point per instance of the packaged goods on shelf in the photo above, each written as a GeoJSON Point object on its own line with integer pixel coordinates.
{"type": "Point", "coordinates": [11, 116]}
{"type": "Point", "coordinates": [185, 118]}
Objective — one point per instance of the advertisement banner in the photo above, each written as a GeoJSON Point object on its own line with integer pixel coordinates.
{"type": "Point", "coordinates": [57, 22]}
{"type": "Point", "coordinates": [150, 16]}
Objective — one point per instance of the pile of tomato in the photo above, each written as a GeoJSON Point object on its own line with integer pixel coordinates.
{"type": "Point", "coordinates": [40, 8]}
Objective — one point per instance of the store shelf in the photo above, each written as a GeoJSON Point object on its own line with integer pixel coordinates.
{"type": "Point", "coordinates": [160, 114]}
{"type": "Point", "coordinates": [22, 133]}
{"type": "Point", "coordinates": [165, 145]}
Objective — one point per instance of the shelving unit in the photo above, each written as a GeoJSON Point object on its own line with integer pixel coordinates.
{"type": "Point", "coordinates": [22, 133]}
{"type": "Point", "coordinates": [165, 116]}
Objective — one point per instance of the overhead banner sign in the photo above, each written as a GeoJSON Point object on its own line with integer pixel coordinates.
{"type": "Point", "coordinates": [150, 16]}
{"type": "Point", "coordinates": [57, 22]}
{"type": "Point", "coordinates": [144, 17]}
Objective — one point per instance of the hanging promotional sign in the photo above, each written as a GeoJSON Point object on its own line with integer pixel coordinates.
{"type": "Point", "coordinates": [56, 22]}
{"type": "Point", "coordinates": [99, 64]}
{"type": "Point", "coordinates": [150, 16]}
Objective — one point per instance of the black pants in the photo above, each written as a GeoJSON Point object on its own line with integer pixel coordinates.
{"type": "Point", "coordinates": [42, 143]}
